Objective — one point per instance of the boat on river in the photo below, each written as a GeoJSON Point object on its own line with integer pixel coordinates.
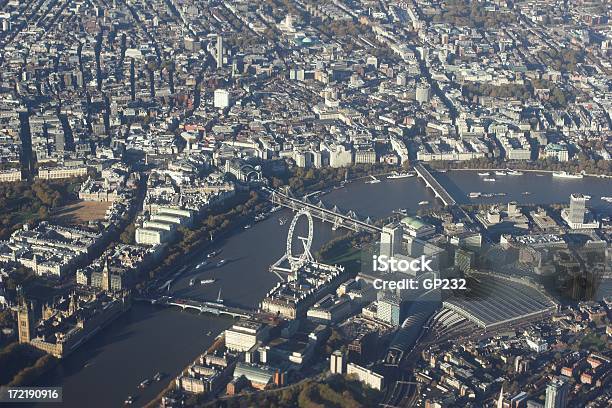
{"type": "Point", "coordinates": [396, 175]}
{"type": "Point", "coordinates": [566, 175]}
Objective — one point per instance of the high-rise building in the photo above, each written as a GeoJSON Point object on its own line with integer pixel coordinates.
{"type": "Point", "coordinates": [337, 362]}
{"type": "Point", "coordinates": [556, 394]}
{"type": "Point", "coordinates": [519, 400]}
{"type": "Point", "coordinates": [401, 79]}
{"type": "Point", "coordinates": [577, 216]}
{"type": "Point", "coordinates": [219, 51]}
{"type": "Point", "coordinates": [391, 239]}
{"type": "Point", "coordinates": [577, 208]}
{"type": "Point", "coordinates": [222, 99]}
{"type": "Point", "coordinates": [6, 24]}
{"type": "Point", "coordinates": [79, 78]}
{"type": "Point", "coordinates": [423, 92]}
{"type": "Point", "coordinates": [389, 309]}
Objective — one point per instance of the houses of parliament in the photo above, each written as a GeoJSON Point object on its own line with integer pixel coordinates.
{"type": "Point", "coordinates": [65, 323]}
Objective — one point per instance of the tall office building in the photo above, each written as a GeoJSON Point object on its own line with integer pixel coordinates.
{"type": "Point", "coordinates": [401, 79]}
{"type": "Point", "coordinates": [219, 51]}
{"type": "Point", "coordinates": [577, 216]}
{"type": "Point", "coordinates": [577, 208]}
{"type": "Point", "coordinates": [556, 394]}
{"type": "Point", "coordinates": [6, 23]}
{"type": "Point", "coordinates": [423, 92]}
{"type": "Point", "coordinates": [222, 99]}
{"type": "Point", "coordinates": [389, 309]}
{"type": "Point", "coordinates": [337, 362]}
{"type": "Point", "coordinates": [391, 239]}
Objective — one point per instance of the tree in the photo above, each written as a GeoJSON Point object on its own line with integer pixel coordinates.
{"type": "Point", "coordinates": [128, 235]}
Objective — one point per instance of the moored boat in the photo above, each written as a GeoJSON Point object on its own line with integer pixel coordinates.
{"type": "Point", "coordinates": [565, 174]}
{"type": "Point", "coordinates": [396, 175]}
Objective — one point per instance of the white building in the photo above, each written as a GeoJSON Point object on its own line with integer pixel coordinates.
{"type": "Point", "coordinates": [577, 216]}
{"type": "Point", "coordinates": [536, 344]}
{"type": "Point", "coordinates": [243, 335]}
{"type": "Point", "coordinates": [222, 99]}
{"type": "Point", "coordinates": [152, 236]}
{"type": "Point", "coordinates": [340, 156]}
{"type": "Point", "coordinates": [337, 362]}
{"type": "Point", "coordinates": [557, 151]}
{"type": "Point", "coordinates": [366, 376]}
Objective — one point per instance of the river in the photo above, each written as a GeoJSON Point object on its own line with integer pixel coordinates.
{"type": "Point", "coordinates": [543, 188]}
{"type": "Point", "coordinates": [148, 339]}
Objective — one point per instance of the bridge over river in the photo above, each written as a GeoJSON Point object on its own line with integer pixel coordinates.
{"type": "Point", "coordinates": [431, 182]}
{"type": "Point", "coordinates": [215, 308]}
{"type": "Point", "coordinates": [340, 219]}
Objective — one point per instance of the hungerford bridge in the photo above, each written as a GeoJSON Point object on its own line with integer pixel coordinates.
{"type": "Point", "coordinates": [349, 219]}
{"type": "Point", "coordinates": [334, 215]}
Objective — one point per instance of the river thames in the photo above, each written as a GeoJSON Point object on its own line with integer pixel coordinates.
{"type": "Point", "coordinates": [149, 339]}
